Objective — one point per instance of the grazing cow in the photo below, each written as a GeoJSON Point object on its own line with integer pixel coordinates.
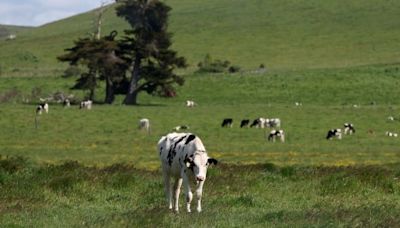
{"type": "Point", "coordinates": [349, 128]}
{"type": "Point", "coordinates": [276, 134]}
{"type": "Point", "coordinates": [391, 134]}
{"type": "Point", "coordinates": [244, 123]}
{"type": "Point", "coordinates": [334, 133]}
{"type": "Point", "coordinates": [144, 124]}
{"type": "Point", "coordinates": [41, 107]}
{"type": "Point", "coordinates": [184, 158]}
{"type": "Point", "coordinates": [298, 104]}
{"type": "Point", "coordinates": [228, 122]}
{"type": "Point", "coordinates": [180, 127]}
{"type": "Point", "coordinates": [66, 103]}
{"type": "Point", "coordinates": [258, 123]}
{"type": "Point", "coordinates": [274, 122]}
{"type": "Point", "coordinates": [86, 104]}
{"type": "Point", "coordinates": [190, 104]}
{"type": "Point", "coordinates": [390, 118]}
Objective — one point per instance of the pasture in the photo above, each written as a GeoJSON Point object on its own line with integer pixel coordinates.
{"type": "Point", "coordinates": [95, 168]}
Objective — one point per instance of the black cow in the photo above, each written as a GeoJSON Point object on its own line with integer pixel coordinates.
{"type": "Point", "coordinates": [244, 123]}
{"type": "Point", "coordinates": [227, 122]}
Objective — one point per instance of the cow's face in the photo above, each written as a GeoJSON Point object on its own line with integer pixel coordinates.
{"type": "Point", "coordinates": [199, 163]}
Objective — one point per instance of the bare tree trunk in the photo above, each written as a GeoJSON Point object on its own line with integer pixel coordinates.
{"type": "Point", "coordinates": [110, 96]}
{"type": "Point", "coordinates": [131, 96]}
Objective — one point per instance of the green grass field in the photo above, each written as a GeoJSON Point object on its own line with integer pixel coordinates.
{"type": "Point", "coordinates": [94, 168]}
{"type": "Point", "coordinates": [306, 181]}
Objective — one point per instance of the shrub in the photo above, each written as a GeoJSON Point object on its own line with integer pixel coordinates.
{"type": "Point", "coordinates": [9, 95]}
{"type": "Point", "coordinates": [12, 164]}
{"type": "Point", "coordinates": [216, 66]}
{"type": "Point", "coordinates": [234, 69]}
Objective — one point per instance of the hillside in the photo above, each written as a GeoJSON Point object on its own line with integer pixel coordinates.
{"type": "Point", "coordinates": [281, 34]}
{"type": "Point", "coordinates": [6, 30]}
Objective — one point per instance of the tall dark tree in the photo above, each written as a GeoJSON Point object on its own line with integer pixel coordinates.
{"type": "Point", "coordinates": [100, 58]}
{"type": "Point", "coordinates": [147, 45]}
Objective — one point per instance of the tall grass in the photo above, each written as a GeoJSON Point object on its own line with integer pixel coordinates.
{"type": "Point", "coordinates": [71, 194]}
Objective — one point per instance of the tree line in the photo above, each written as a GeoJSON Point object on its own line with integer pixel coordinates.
{"type": "Point", "coordinates": [142, 61]}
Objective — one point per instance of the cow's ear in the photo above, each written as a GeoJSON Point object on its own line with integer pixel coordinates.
{"type": "Point", "coordinates": [212, 161]}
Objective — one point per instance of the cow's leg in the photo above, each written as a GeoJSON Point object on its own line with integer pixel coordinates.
{"type": "Point", "coordinates": [199, 194]}
{"type": "Point", "coordinates": [188, 192]}
{"type": "Point", "coordinates": [177, 189]}
{"type": "Point", "coordinates": [168, 190]}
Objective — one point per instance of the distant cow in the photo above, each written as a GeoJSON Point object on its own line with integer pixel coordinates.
{"type": "Point", "coordinates": [86, 105]}
{"type": "Point", "coordinates": [144, 124]}
{"type": "Point", "coordinates": [258, 123]}
{"type": "Point", "coordinates": [184, 158]}
{"type": "Point", "coordinates": [180, 127]}
{"type": "Point", "coordinates": [66, 103]}
{"type": "Point", "coordinates": [228, 122]}
{"type": "Point", "coordinates": [190, 104]}
{"type": "Point", "coordinates": [391, 134]}
{"type": "Point", "coordinates": [274, 122]}
{"type": "Point", "coordinates": [334, 133]}
{"type": "Point", "coordinates": [42, 107]}
{"type": "Point", "coordinates": [276, 134]}
{"type": "Point", "coordinates": [349, 129]}
{"type": "Point", "coordinates": [244, 123]}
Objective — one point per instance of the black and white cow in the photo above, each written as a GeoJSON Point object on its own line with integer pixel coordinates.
{"type": "Point", "coordinates": [274, 122]}
{"type": "Point", "coordinates": [42, 107]}
{"type": "Point", "coordinates": [258, 123]}
{"type": "Point", "coordinates": [183, 158]}
{"type": "Point", "coordinates": [66, 103]}
{"type": "Point", "coordinates": [391, 134]}
{"type": "Point", "coordinates": [349, 129]}
{"type": "Point", "coordinates": [334, 133]}
{"type": "Point", "coordinates": [86, 105]}
{"type": "Point", "coordinates": [276, 134]}
{"type": "Point", "coordinates": [244, 123]}
{"type": "Point", "coordinates": [228, 122]}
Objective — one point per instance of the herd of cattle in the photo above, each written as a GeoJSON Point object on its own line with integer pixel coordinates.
{"type": "Point", "coordinates": [66, 103]}
{"type": "Point", "coordinates": [184, 157]}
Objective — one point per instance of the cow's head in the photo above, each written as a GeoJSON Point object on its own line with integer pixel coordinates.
{"type": "Point", "coordinates": [198, 163]}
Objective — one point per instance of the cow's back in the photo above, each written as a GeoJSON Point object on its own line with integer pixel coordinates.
{"type": "Point", "coordinates": [174, 148]}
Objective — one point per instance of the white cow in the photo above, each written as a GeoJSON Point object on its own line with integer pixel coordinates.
{"type": "Point", "coordinates": [184, 158]}
{"type": "Point", "coordinates": [144, 124]}
{"type": "Point", "coordinates": [276, 134]}
{"type": "Point", "coordinates": [41, 107]}
{"type": "Point", "coordinates": [190, 104]}
{"type": "Point", "coordinates": [86, 104]}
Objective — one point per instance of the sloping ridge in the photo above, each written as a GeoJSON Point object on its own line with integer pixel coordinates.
{"type": "Point", "coordinates": [281, 34]}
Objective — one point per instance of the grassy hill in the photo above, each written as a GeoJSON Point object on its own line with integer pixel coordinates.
{"type": "Point", "coordinates": [281, 34]}
{"type": "Point", "coordinates": [95, 168]}
{"type": "Point", "coordinates": [6, 30]}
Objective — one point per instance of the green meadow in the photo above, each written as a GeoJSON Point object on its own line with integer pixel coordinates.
{"type": "Point", "coordinates": [95, 168]}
